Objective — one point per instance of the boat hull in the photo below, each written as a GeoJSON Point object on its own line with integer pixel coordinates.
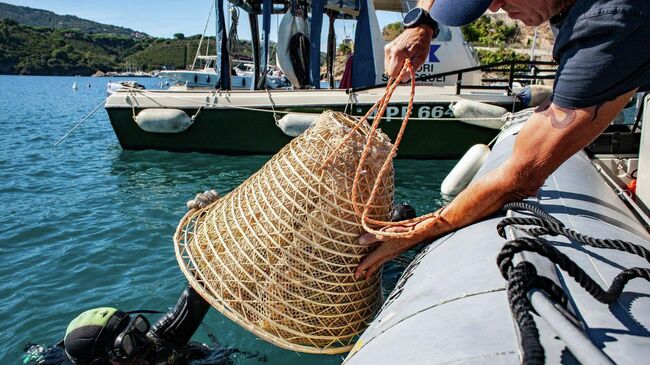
{"type": "Point", "coordinates": [253, 130]}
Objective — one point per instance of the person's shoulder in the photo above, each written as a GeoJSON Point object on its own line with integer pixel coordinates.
{"type": "Point", "coordinates": [598, 51]}
{"type": "Point", "coordinates": [601, 21]}
{"type": "Point", "coordinates": [583, 10]}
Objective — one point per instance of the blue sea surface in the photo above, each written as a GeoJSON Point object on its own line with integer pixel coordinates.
{"type": "Point", "coordinates": [87, 224]}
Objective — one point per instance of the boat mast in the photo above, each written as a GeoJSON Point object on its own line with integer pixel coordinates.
{"type": "Point", "coordinates": [255, 38]}
{"type": "Point", "coordinates": [317, 8]}
{"type": "Point", "coordinates": [205, 28]}
{"type": "Point", "coordinates": [222, 61]}
{"type": "Point", "coordinates": [267, 10]}
{"type": "Point", "coordinates": [367, 50]}
{"type": "Point", "coordinates": [331, 48]}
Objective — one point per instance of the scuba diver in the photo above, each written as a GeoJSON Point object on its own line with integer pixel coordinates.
{"type": "Point", "coordinates": [109, 336]}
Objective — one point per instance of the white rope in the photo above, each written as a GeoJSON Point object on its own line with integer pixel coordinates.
{"type": "Point", "coordinates": [83, 120]}
{"type": "Point", "coordinates": [198, 49]}
{"type": "Point", "coordinates": [130, 98]}
{"type": "Point", "coordinates": [275, 116]}
{"type": "Point", "coordinates": [273, 110]}
{"type": "Point", "coordinates": [348, 103]}
{"type": "Point", "coordinates": [205, 103]}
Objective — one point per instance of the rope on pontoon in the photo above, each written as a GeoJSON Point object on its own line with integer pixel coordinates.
{"type": "Point", "coordinates": [523, 277]}
{"type": "Point", "coordinates": [130, 98]}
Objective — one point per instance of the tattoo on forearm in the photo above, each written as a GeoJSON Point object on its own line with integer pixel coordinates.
{"type": "Point", "coordinates": [546, 110]}
{"type": "Point", "coordinates": [569, 117]}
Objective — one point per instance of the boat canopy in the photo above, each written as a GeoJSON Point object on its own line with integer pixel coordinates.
{"type": "Point", "coordinates": [366, 62]}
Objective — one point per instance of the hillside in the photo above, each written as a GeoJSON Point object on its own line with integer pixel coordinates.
{"type": "Point", "coordinates": [46, 51]}
{"type": "Point", "coordinates": [51, 44]}
{"type": "Point", "coordinates": [28, 50]}
{"type": "Point", "coordinates": [177, 53]}
{"type": "Point", "coordinates": [43, 18]}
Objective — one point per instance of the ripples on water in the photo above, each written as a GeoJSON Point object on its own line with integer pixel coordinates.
{"type": "Point", "coordinates": [87, 224]}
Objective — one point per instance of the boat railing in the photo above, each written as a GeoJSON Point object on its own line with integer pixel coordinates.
{"type": "Point", "coordinates": [506, 72]}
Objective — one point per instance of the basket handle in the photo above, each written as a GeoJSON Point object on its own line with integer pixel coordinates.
{"type": "Point", "coordinates": [362, 209]}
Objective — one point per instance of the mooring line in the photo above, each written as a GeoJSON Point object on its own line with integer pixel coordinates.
{"type": "Point", "coordinates": [83, 120]}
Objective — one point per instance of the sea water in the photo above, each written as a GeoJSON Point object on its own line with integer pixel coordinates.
{"type": "Point", "coordinates": [87, 224]}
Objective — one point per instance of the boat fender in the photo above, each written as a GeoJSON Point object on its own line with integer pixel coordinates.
{"type": "Point", "coordinates": [157, 120]}
{"type": "Point", "coordinates": [465, 170]}
{"type": "Point", "coordinates": [288, 32]}
{"type": "Point", "coordinates": [294, 125]}
{"type": "Point", "coordinates": [468, 109]}
{"type": "Point", "coordinates": [534, 95]}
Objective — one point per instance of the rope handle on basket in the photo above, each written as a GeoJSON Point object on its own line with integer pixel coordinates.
{"type": "Point", "coordinates": [381, 106]}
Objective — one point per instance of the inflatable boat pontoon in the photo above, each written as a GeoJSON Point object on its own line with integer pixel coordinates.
{"type": "Point", "coordinates": [451, 305]}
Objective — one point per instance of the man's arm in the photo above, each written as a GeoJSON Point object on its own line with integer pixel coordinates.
{"type": "Point", "coordinates": [413, 44]}
{"type": "Point", "coordinates": [549, 137]}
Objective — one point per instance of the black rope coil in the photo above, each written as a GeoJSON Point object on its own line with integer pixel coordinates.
{"type": "Point", "coordinates": [523, 277]}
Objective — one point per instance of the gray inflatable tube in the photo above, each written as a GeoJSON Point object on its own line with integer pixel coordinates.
{"type": "Point", "coordinates": [451, 306]}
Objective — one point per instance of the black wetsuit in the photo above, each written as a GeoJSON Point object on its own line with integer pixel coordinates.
{"type": "Point", "coordinates": [169, 339]}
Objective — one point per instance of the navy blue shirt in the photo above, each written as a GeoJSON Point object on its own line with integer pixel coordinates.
{"type": "Point", "coordinates": [603, 51]}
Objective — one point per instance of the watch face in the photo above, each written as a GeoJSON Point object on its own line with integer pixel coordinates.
{"type": "Point", "coordinates": [412, 16]}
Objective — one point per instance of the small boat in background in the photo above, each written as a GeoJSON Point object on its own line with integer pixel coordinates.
{"type": "Point", "coordinates": [74, 86]}
{"type": "Point", "coordinates": [242, 76]}
{"type": "Point", "coordinates": [112, 87]}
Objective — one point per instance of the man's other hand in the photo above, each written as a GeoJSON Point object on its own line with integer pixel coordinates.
{"type": "Point", "coordinates": [389, 247]}
{"type": "Point", "coordinates": [413, 43]}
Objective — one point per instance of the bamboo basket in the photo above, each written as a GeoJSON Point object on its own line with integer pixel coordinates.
{"type": "Point", "coordinates": [277, 254]}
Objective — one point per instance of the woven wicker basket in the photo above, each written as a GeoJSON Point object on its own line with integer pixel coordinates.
{"type": "Point", "coordinates": [278, 253]}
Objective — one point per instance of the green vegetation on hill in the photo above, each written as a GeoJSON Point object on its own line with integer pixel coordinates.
{"type": "Point", "coordinates": [501, 54]}
{"type": "Point", "coordinates": [488, 32]}
{"type": "Point", "coordinates": [46, 51]}
{"type": "Point", "coordinates": [392, 30]}
{"type": "Point", "coordinates": [180, 51]}
{"type": "Point", "coordinates": [485, 31]}
{"type": "Point", "coordinates": [67, 45]}
{"type": "Point", "coordinates": [44, 18]}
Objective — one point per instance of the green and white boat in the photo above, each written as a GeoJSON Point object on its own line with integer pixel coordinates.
{"type": "Point", "coordinates": [219, 120]}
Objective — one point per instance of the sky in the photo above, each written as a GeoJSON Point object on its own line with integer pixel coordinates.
{"type": "Point", "coordinates": [163, 18]}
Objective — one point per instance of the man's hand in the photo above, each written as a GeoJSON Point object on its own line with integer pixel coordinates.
{"type": "Point", "coordinates": [413, 43]}
{"type": "Point", "coordinates": [389, 248]}
{"type": "Point", "coordinates": [202, 200]}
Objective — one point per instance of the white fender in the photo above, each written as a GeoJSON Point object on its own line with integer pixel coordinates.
{"type": "Point", "coordinates": [294, 125]}
{"type": "Point", "coordinates": [534, 95]}
{"type": "Point", "coordinates": [289, 26]}
{"type": "Point", "coordinates": [475, 109]}
{"type": "Point", "coordinates": [157, 120]}
{"type": "Point", "coordinates": [465, 170]}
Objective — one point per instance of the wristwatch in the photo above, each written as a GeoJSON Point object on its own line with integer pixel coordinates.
{"type": "Point", "coordinates": [417, 16]}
